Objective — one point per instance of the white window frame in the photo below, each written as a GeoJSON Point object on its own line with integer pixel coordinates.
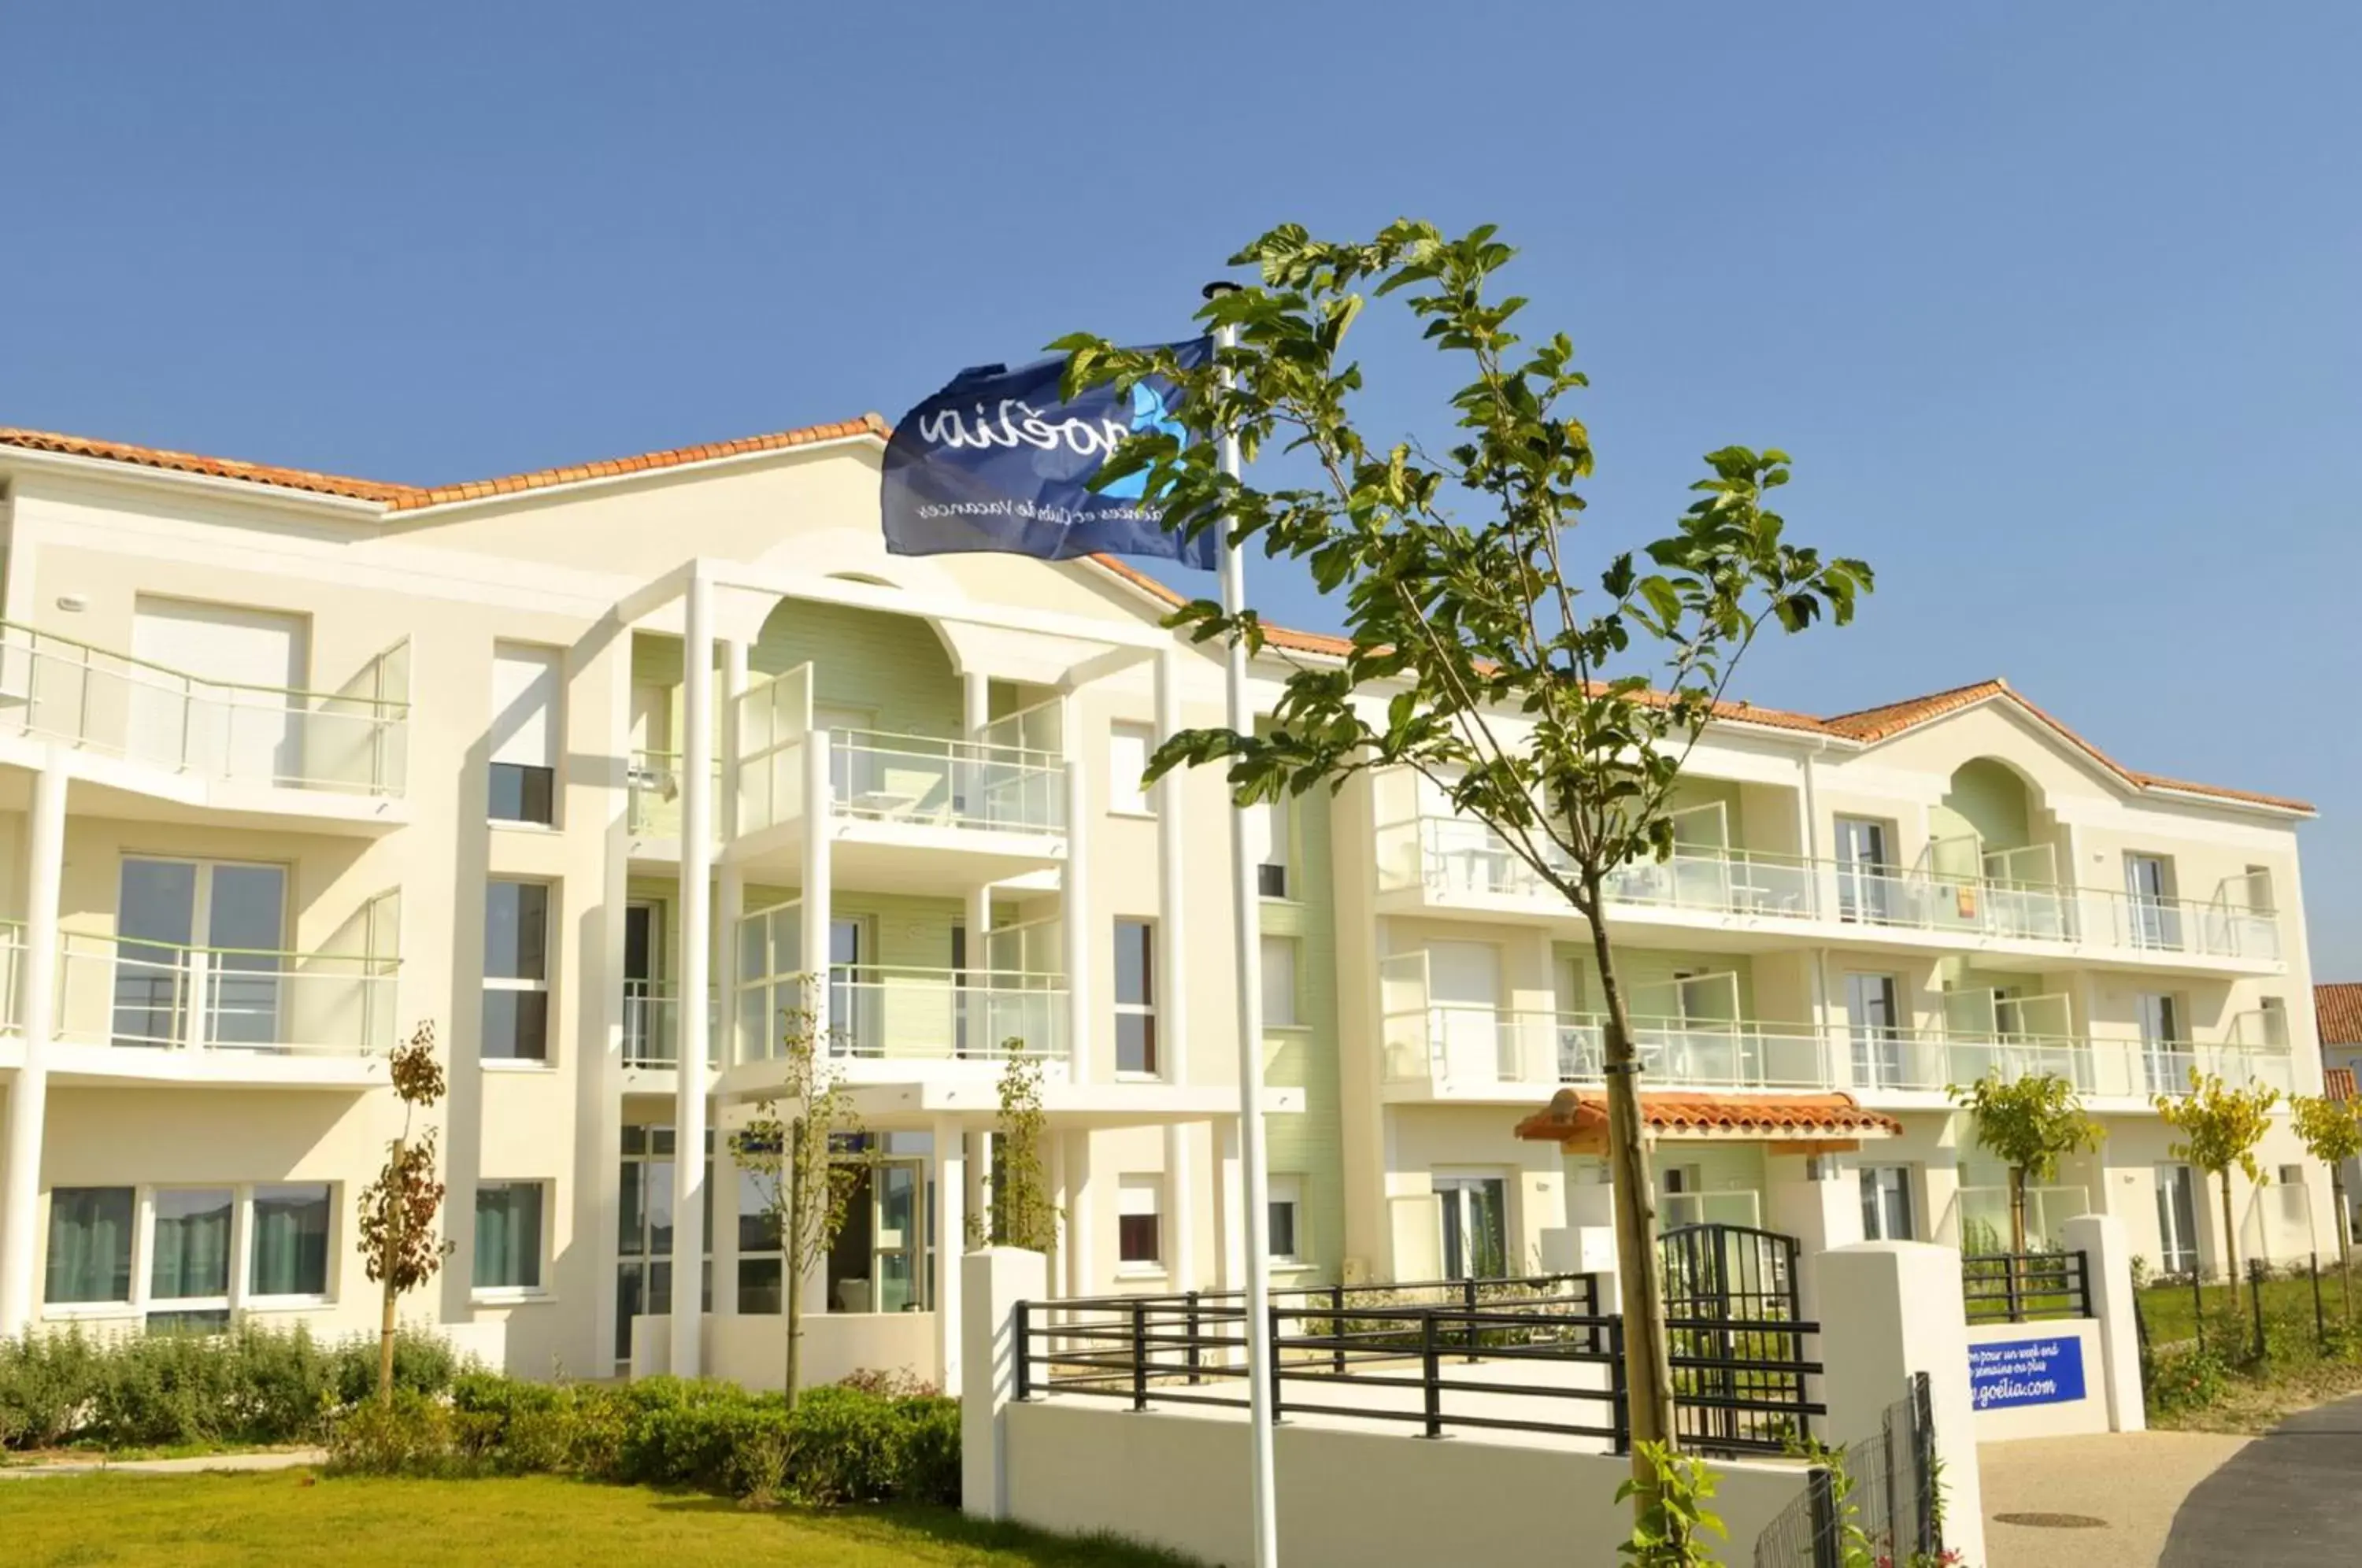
{"type": "Point", "coordinates": [1870, 1176]}
{"type": "Point", "coordinates": [1270, 825]}
{"type": "Point", "coordinates": [495, 1294]}
{"type": "Point", "coordinates": [1147, 1010]}
{"type": "Point", "coordinates": [1136, 1196]}
{"type": "Point", "coordinates": [1293, 992]}
{"type": "Point", "coordinates": [241, 1298]}
{"type": "Point", "coordinates": [1127, 797]}
{"type": "Point", "coordinates": [1288, 1188]}
{"type": "Point", "coordinates": [541, 736]}
{"type": "Point", "coordinates": [548, 1060]}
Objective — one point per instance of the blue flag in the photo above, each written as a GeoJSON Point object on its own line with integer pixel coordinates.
{"type": "Point", "coordinates": [997, 461]}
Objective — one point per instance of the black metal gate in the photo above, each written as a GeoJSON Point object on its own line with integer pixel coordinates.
{"type": "Point", "coordinates": [1736, 1334]}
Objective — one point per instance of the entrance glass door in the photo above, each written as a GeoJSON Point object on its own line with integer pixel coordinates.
{"type": "Point", "coordinates": [1872, 1009]}
{"type": "Point", "coordinates": [877, 1261]}
{"type": "Point", "coordinates": [1863, 877]}
{"type": "Point", "coordinates": [1475, 1226]}
{"type": "Point", "coordinates": [232, 980]}
{"type": "Point", "coordinates": [648, 1037]}
{"type": "Point", "coordinates": [2177, 1220]}
{"type": "Point", "coordinates": [2164, 1049]}
{"type": "Point", "coordinates": [2148, 885]}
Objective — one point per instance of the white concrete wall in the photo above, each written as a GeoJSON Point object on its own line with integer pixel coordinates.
{"type": "Point", "coordinates": [2078, 1338]}
{"type": "Point", "coordinates": [753, 1351]}
{"type": "Point", "coordinates": [1347, 1499]}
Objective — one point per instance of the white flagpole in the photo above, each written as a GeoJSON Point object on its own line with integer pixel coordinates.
{"type": "Point", "coordinates": [1247, 926]}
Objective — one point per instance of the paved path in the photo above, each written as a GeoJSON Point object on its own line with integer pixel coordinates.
{"type": "Point", "coordinates": [2132, 1484]}
{"type": "Point", "coordinates": [278, 1459]}
{"type": "Point", "coordinates": [2288, 1497]}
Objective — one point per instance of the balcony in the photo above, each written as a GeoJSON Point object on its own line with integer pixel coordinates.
{"type": "Point", "coordinates": [1452, 1051]}
{"type": "Point", "coordinates": [1477, 1054]}
{"type": "Point", "coordinates": [1924, 1062]}
{"type": "Point", "coordinates": [1733, 896]}
{"type": "Point", "coordinates": [652, 1026]}
{"type": "Point", "coordinates": [652, 796]}
{"type": "Point", "coordinates": [158, 1012]}
{"type": "Point", "coordinates": [352, 742]}
{"type": "Point", "coordinates": [882, 1019]}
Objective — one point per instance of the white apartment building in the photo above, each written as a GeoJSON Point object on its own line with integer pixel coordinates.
{"type": "Point", "coordinates": [587, 766]}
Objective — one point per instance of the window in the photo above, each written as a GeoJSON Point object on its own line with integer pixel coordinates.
{"type": "Point", "coordinates": [90, 1245]}
{"type": "Point", "coordinates": [1279, 982]}
{"type": "Point", "coordinates": [1866, 889]}
{"type": "Point", "coordinates": [1286, 1223]}
{"type": "Point", "coordinates": [1139, 1225]}
{"type": "Point", "coordinates": [1873, 1012]}
{"type": "Point", "coordinates": [188, 1249]}
{"type": "Point", "coordinates": [508, 1235]}
{"type": "Point", "coordinates": [1886, 1203]}
{"type": "Point", "coordinates": [1265, 826]}
{"type": "Point", "coordinates": [2164, 1047]}
{"type": "Point", "coordinates": [1475, 1226]}
{"type": "Point", "coordinates": [1128, 746]}
{"type": "Point", "coordinates": [1135, 996]}
{"type": "Point", "coordinates": [643, 1242]}
{"type": "Point", "coordinates": [516, 972]}
{"type": "Point", "coordinates": [188, 1281]}
{"type": "Point", "coordinates": [525, 734]}
{"type": "Point", "coordinates": [762, 1272]}
{"type": "Point", "coordinates": [261, 650]}
{"type": "Point", "coordinates": [291, 1241]}
{"type": "Point", "coordinates": [2155, 919]}
{"type": "Point", "coordinates": [166, 908]}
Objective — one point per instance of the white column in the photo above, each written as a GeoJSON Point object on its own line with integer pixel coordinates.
{"type": "Point", "coordinates": [1172, 975]}
{"type": "Point", "coordinates": [1889, 1310]}
{"type": "Point", "coordinates": [730, 893]}
{"type": "Point", "coordinates": [951, 1244]}
{"type": "Point", "coordinates": [976, 714]}
{"type": "Point", "coordinates": [980, 1180]}
{"type": "Point", "coordinates": [2108, 1257]}
{"type": "Point", "coordinates": [1081, 1222]}
{"type": "Point", "coordinates": [21, 1175]}
{"type": "Point", "coordinates": [994, 1281]}
{"type": "Point", "coordinates": [1233, 1202]}
{"type": "Point", "coordinates": [816, 913]}
{"type": "Point", "coordinates": [1075, 920]}
{"type": "Point", "coordinates": [696, 898]}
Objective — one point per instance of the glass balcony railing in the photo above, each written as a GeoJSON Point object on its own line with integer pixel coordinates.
{"type": "Point", "coordinates": [1473, 1048]}
{"type": "Point", "coordinates": [652, 1025]}
{"type": "Point", "coordinates": [916, 781]}
{"type": "Point", "coordinates": [652, 803]}
{"type": "Point", "coordinates": [1458, 858]}
{"type": "Point", "coordinates": [351, 741]}
{"type": "Point", "coordinates": [1468, 1047]}
{"type": "Point", "coordinates": [878, 1012]}
{"type": "Point", "coordinates": [164, 997]}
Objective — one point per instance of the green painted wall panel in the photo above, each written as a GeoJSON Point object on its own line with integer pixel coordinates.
{"type": "Point", "coordinates": [1310, 1146]}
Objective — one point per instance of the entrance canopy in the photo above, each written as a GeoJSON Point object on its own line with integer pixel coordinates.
{"type": "Point", "coordinates": [1576, 1120]}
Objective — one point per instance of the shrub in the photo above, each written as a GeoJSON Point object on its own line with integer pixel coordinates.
{"type": "Point", "coordinates": [412, 1436]}
{"type": "Point", "coordinates": [847, 1448]}
{"type": "Point", "coordinates": [45, 1385]}
{"type": "Point", "coordinates": [929, 1471]}
{"type": "Point", "coordinates": [2184, 1380]}
{"type": "Point", "coordinates": [423, 1363]}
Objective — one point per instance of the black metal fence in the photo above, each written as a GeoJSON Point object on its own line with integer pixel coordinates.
{"type": "Point", "coordinates": [1734, 1315]}
{"type": "Point", "coordinates": [2026, 1287]}
{"type": "Point", "coordinates": [1528, 1355]}
{"type": "Point", "coordinates": [1878, 1501]}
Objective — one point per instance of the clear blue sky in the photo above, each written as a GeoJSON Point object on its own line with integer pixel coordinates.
{"type": "Point", "coordinates": [2056, 305]}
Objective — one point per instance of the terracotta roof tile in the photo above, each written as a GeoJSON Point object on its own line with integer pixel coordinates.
{"type": "Point", "coordinates": [1867, 726]}
{"type": "Point", "coordinates": [2337, 1083]}
{"type": "Point", "coordinates": [2337, 1008]}
{"type": "Point", "coordinates": [1580, 1116]}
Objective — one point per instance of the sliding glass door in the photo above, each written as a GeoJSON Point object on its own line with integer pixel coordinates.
{"type": "Point", "coordinates": [163, 969]}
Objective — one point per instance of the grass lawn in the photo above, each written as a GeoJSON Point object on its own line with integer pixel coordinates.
{"type": "Point", "coordinates": [286, 1517]}
{"type": "Point", "coordinates": [2169, 1312]}
{"type": "Point", "coordinates": [2256, 1395]}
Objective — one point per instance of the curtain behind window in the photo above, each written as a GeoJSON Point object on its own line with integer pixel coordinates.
{"type": "Point", "coordinates": [90, 1245]}
{"type": "Point", "coordinates": [192, 1246]}
{"type": "Point", "coordinates": [291, 1241]}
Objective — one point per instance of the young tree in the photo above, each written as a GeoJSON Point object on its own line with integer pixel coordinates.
{"type": "Point", "coordinates": [2220, 1128]}
{"type": "Point", "coordinates": [400, 1249]}
{"type": "Point", "coordinates": [788, 1149]}
{"type": "Point", "coordinates": [1023, 1212]}
{"type": "Point", "coordinates": [1555, 703]}
{"type": "Point", "coordinates": [2332, 1132]}
{"type": "Point", "coordinates": [2030, 1125]}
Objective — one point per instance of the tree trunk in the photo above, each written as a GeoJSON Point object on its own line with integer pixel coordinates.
{"type": "Point", "coordinates": [1648, 1369]}
{"type": "Point", "coordinates": [2017, 1209]}
{"type": "Point", "coordinates": [791, 1235]}
{"type": "Point", "coordinates": [2345, 1236]}
{"type": "Point", "coordinates": [394, 1209]}
{"type": "Point", "coordinates": [2230, 1240]}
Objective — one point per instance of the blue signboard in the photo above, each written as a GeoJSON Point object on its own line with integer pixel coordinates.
{"type": "Point", "coordinates": [2025, 1372]}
